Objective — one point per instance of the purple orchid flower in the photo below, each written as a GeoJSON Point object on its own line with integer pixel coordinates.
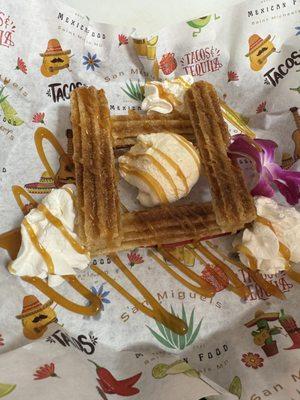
{"type": "Point", "coordinates": [260, 155]}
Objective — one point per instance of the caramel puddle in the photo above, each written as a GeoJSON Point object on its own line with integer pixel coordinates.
{"type": "Point", "coordinates": [157, 312]}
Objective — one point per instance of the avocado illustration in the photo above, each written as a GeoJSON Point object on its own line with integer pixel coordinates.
{"type": "Point", "coordinates": [199, 23]}
{"type": "Point", "coordinates": [6, 388]}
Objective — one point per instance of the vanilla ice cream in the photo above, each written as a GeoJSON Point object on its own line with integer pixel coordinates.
{"type": "Point", "coordinates": [64, 257]}
{"type": "Point", "coordinates": [163, 166]}
{"type": "Point", "coordinates": [264, 243]}
{"type": "Point", "coordinates": [167, 95]}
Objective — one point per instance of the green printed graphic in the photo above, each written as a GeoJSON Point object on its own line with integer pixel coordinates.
{"type": "Point", "coordinates": [134, 90]}
{"type": "Point", "coordinates": [6, 388]}
{"type": "Point", "coordinates": [10, 114]}
{"type": "Point", "coordinates": [172, 340]}
{"type": "Point", "coordinates": [199, 23]}
{"type": "Point", "coordinates": [236, 387]}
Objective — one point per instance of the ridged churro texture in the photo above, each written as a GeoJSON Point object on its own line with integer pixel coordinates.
{"type": "Point", "coordinates": [232, 203]}
{"type": "Point", "coordinates": [100, 224]}
{"type": "Point", "coordinates": [125, 128]}
{"type": "Point", "coordinates": [166, 224]}
{"type": "Point", "coordinates": [98, 206]}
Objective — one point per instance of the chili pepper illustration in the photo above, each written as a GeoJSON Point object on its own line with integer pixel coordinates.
{"type": "Point", "coordinates": [110, 385]}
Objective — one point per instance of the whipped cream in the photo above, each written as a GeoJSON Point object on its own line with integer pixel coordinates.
{"type": "Point", "coordinates": [65, 258]}
{"type": "Point", "coordinates": [163, 166]}
{"type": "Point", "coordinates": [167, 95]}
{"type": "Point", "coordinates": [264, 243]}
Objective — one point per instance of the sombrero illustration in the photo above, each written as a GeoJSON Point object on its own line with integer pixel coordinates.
{"type": "Point", "coordinates": [45, 184]}
{"type": "Point", "coordinates": [54, 49]}
{"type": "Point", "coordinates": [31, 306]}
{"type": "Point", "coordinates": [54, 58]}
{"type": "Point", "coordinates": [259, 50]}
{"type": "Point", "coordinates": [262, 316]}
{"type": "Point", "coordinates": [256, 42]}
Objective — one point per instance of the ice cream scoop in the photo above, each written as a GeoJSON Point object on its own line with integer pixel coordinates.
{"type": "Point", "coordinates": [163, 166]}
{"type": "Point", "coordinates": [167, 95]}
{"type": "Point", "coordinates": [50, 247]}
{"type": "Point", "coordinates": [264, 241]}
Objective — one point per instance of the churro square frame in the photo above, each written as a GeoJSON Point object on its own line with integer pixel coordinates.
{"type": "Point", "coordinates": [101, 225]}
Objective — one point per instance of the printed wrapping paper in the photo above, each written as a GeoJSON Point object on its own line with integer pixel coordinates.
{"type": "Point", "coordinates": [225, 338]}
{"type": "Point", "coordinates": [56, 368]}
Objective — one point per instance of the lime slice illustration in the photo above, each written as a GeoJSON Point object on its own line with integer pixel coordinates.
{"type": "Point", "coordinates": [6, 388]}
{"type": "Point", "coordinates": [152, 41]}
{"type": "Point", "coordinates": [10, 114]}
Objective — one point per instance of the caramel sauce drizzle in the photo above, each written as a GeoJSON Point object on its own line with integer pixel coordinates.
{"type": "Point", "coordinates": [59, 225]}
{"type": "Point", "coordinates": [157, 312]}
{"type": "Point", "coordinates": [18, 191]}
{"type": "Point", "coordinates": [11, 241]}
{"type": "Point", "coordinates": [91, 309]}
{"type": "Point", "coordinates": [182, 82]}
{"type": "Point", "coordinates": [175, 166]}
{"type": "Point", "coordinates": [70, 191]}
{"type": "Point", "coordinates": [189, 147]}
{"type": "Point", "coordinates": [255, 275]}
{"type": "Point", "coordinates": [39, 247]}
{"type": "Point", "coordinates": [204, 288]}
{"type": "Point", "coordinates": [283, 250]}
{"type": "Point", "coordinates": [247, 253]}
{"type": "Point", "coordinates": [239, 288]}
{"type": "Point", "coordinates": [160, 167]}
{"type": "Point", "coordinates": [148, 179]}
{"type": "Point", "coordinates": [40, 135]}
{"type": "Point", "coordinates": [165, 95]}
{"type": "Point", "coordinates": [229, 287]}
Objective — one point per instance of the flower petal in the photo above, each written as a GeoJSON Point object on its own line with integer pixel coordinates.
{"type": "Point", "coordinates": [104, 294]}
{"type": "Point", "coordinates": [289, 190]}
{"type": "Point", "coordinates": [263, 188]}
{"type": "Point", "coordinates": [288, 183]}
{"type": "Point", "coordinates": [104, 300]}
{"type": "Point", "coordinates": [241, 146]}
{"type": "Point", "coordinates": [280, 173]}
{"type": "Point", "coordinates": [269, 148]}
